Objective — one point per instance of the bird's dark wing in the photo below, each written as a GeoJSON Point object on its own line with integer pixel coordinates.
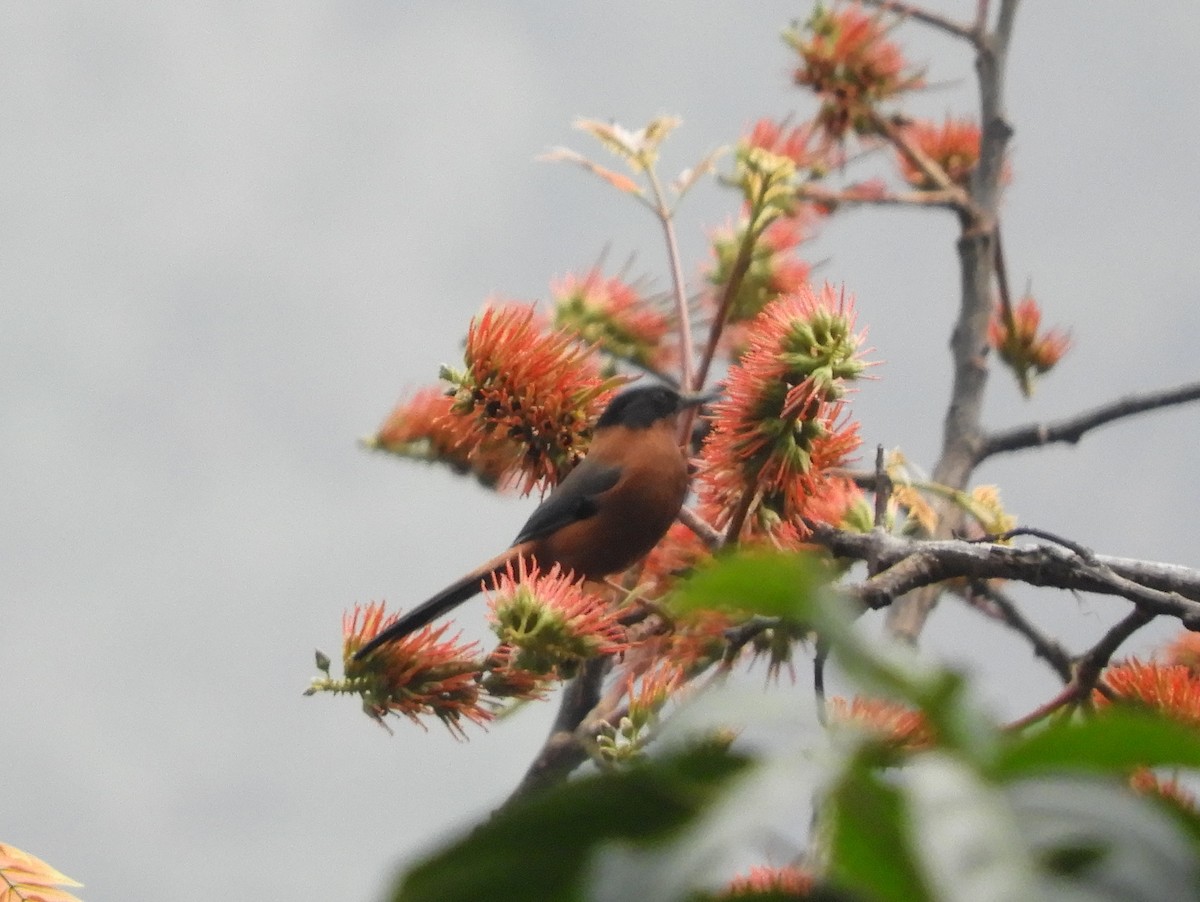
{"type": "Point", "coordinates": [574, 499]}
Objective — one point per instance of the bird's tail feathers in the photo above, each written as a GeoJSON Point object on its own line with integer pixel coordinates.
{"type": "Point", "coordinates": [444, 601]}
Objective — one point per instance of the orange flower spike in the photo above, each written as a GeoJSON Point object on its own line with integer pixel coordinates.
{"type": "Point", "coordinates": [697, 639]}
{"type": "Point", "coordinates": [1171, 689]}
{"type": "Point", "coordinates": [539, 389]}
{"type": "Point", "coordinates": [895, 724]}
{"type": "Point", "coordinates": [650, 691]}
{"type": "Point", "coordinates": [796, 144]}
{"type": "Point", "coordinates": [612, 315]}
{"type": "Point", "coordinates": [953, 145]}
{"type": "Point", "coordinates": [846, 59]}
{"type": "Point", "coordinates": [789, 881]}
{"type": "Point", "coordinates": [503, 679]}
{"type": "Point", "coordinates": [1022, 345]}
{"type": "Point", "coordinates": [426, 428]}
{"type": "Point", "coordinates": [551, 620]}
{"type": "Point", "coordinates": [777, 411]}
{"type": "Point", "coordinates": [422, 674]}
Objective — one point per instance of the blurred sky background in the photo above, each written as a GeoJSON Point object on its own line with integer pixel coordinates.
{"type": "Point", "coordinates": [233, 234]}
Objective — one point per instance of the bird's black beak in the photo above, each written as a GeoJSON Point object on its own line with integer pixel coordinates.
{"type": "Point", "coordinates": [695, 399]}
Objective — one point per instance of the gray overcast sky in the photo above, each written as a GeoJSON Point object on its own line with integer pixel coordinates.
{"type": "Point", "coordinates": [233, 233]}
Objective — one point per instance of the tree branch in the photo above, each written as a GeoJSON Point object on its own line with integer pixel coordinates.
{"type": "Point", "coordinates": [678, 285]}
{"type": "Point", "coordinates": [950, 200]}
{"type": "Point", "coordinates": [917, 14]}
{"type": "Point", "coordinates": [1072, 429]}
{"type": "Point", "coordinates": [909, 564]}
{"type": "Point", "coordinates": [563, 750]}
{"type": "Point", "coordinates": [962, 431]}
{"type": "Point", "coordinates": [1003, 608]}
{"type": "Point", "coordinates": [1088, 668]}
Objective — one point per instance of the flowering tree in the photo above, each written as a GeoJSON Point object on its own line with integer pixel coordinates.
{"type": "Point", "coordinates": [785, 543]}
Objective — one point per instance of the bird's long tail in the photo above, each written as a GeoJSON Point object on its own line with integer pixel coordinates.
{"type": "Point", "coordinates": [446, 600]}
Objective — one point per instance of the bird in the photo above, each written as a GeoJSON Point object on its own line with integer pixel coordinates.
{"type": "Point", "coordinates": [606, 515]}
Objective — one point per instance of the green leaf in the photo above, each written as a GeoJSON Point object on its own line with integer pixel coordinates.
{"type": "Point", "coordinates": [539, 849]}
{"type": "Point", "coordinates": [964, 834]}
{"type": "Point", "coordinates": [869, 850]}
{"type": "Point", "coordinates": [1115, 740]}
{"type": "Point", "coordinates": [767, 583]}
{"type": "Point", "coordinates": [792, 586]}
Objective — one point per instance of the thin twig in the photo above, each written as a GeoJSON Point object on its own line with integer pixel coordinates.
{"type": "Point", "coordinates": [665, 217]}
{"type": "Point", "coordinates": [1091, 664]}
{"type": "Point", "coordinates": [917, 14]}
{"type": "Point", "coordinates": [927, 166]}
{"type": "Point", "coordinates": [741, 266]}
{"type": "Point", "coordinates": [847, 196]}
{"type": "Point", "coordinates": [883, 492]}
{"type": "Point", "coordinates": [981, 17]}
{"type": "Point", "coordinates": [734, 530]}
{"type": "Point", "coordinates": [1072, 429]}
{"type": "Point", "coordinates": [1066, 696]}
{"type": "Point", "coordinates": [709, 535]}
{"type": "Point", "coordinates": [1033, 532]}
{"type": "Point", "coordinates": [1088, 668]}
{"type": "Point", "coordinates": [1005, 609]}
{"type": "Point", "coordinates": [1006, 307]}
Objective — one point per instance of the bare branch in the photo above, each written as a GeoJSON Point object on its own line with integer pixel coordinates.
{"type": "Point", "coordinates": [917, 14]}
{"type": "Point", "coordinates": [925, 164]}
{"type": "Point", "coordinates": [1087, 669]}
{"type": "Point", "coordinates": [711, 537]}
{"type": "Point", "coordinates": [563, 750]}
{"type": "Point", "coordinates": [913, 563]}
{"type": "Point", "coordinates": [949, 200]}
{"type": "Point", "coordinates": [1072, 429]}
{"type": "Point", "coordinates": [679, 287]}
{"type": "Point", "coordinates": [997, 604]}
{"type": "Point", "coordinates": [962, 431]}
{"type": "Point", "coordinates": [1092, 664]}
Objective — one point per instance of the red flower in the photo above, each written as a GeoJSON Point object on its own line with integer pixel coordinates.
{"type": "Point", "coordinates": [846, 59]}
{"type": "Point", "coordinates": [504, 679]}
{"type": "Point", "coordinates": [796, 144]}
{"type": "Point", "coordinates": [697, 639]}
{"type": "Point", "coordinates": [1020, 345]}
{"type": "Point", "coordinates": [892, 722]}
{"type": "Point", "coordinates": [426, 428]}
{"type": "Point", "coordinates": [421, 674]}
{"type": "Point", "coordinates": [1170, 689]}
{"type": "Point", "coordinates": [539, 389]}
{"type": "Point", "coordinates": [612, 315]}
{"type": "Point", "coordinates": [780, 428]}
{"type": "Point", "coordinates": [649, 690]}
{"type": "Point", "coordinates": [953, 145]}
{"type": "Point", "coordinates": [550, 620]}
{"type": "Point", "coordinates": [787, 881]}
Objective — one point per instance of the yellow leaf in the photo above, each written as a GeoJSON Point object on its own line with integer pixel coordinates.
{"type": "Point", "coordinates": [26, 878]}
{"type": "Point", "coordinates": [920, 510]}
{"type": "Point", "coordinates": [616, 179]}
{"type": "Point", "coordinates": [983, 503]}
